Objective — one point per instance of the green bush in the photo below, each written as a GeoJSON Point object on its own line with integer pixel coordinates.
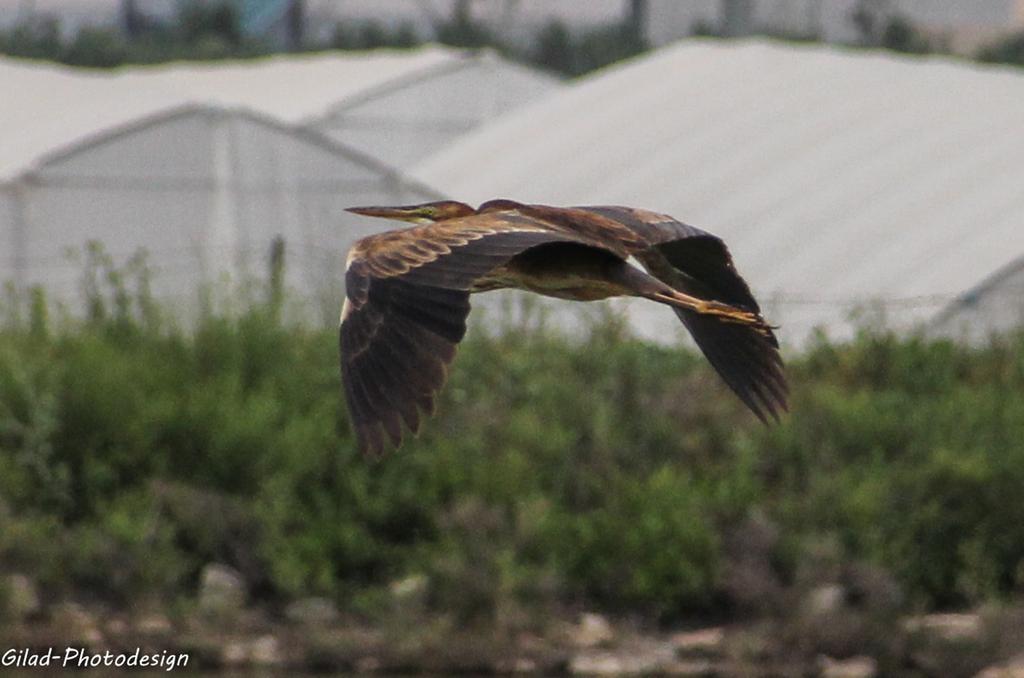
{"type": "Point", "coordinates": [601, 471]}
{"type": "Point", "coordinates": [650, 545]}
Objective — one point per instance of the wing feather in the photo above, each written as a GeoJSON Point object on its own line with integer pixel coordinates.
{"type": "Point", "coordinates": [706, 262]}
{"type": "Point", "coordinates": [698, 263]}
{"type": "Point", "coordinates": [652, 227]}
{"type": "Point", "coordinates": [746, 360]}
{"type": "Point", "coordinates": [407, 299]}
{"type": "Point", "coordinates": [396, 341]}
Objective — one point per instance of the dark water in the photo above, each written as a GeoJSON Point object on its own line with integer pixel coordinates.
{"type": "Point", "coordinates": [135, 673]}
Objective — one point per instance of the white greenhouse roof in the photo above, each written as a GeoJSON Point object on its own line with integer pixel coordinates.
{"type": "Point", "coordinates": [50, 107]}
{"type": "Point", "coordinates": [406, 119]}
{"type": "Point", "coordinates": [226, 183]}
{"type": "Point", "coordinates": [839, 178]}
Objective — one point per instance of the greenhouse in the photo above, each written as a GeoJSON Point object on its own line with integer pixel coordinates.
{"type": "Point", "coordinates": [203, 191]}
{"type": "Point", "coordinates": [408, 119]}
{"type": "Point", "coordinates": [202, 166]}
{"type": "Point", "coordinates": [852, 186]}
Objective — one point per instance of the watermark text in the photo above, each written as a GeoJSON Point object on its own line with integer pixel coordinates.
{"type": "Point", "coordinates": [83, 658]}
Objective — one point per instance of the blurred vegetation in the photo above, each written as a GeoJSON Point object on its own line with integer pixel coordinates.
{"type": "Point", "coordinates": [563, 51]}
{"type": "Point", "coordinates": [213, 30]}
{"type": "Point", "coordinates": [200, 31]}
{"type": "Point", "coordinates": [1007, 51]}
{"type": "Point", "coordinates": [601, 471]}
{"type": "Point", "coordinates": [879, 25]}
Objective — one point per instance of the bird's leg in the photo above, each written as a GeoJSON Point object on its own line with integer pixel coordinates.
{"type": "Point", "coordinates": [708, 307]}
{"type": "Point", "coordinates": [638, 283]}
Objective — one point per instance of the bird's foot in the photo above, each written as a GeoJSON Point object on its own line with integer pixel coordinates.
{"type": "Point", "coordinates": [735, 315]}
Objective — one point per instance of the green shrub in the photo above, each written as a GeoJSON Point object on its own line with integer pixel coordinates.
{"type": "Point", "coordinates": [602, 470]}
{"type": "Point", "coordinates": [651, 545]}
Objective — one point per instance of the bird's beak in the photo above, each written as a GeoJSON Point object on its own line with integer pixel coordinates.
{"type": "Point", "coordinates": [400, 213]}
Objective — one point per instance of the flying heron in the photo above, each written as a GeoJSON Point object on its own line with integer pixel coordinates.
{"type": "Point", "coordinates": [407, 296]}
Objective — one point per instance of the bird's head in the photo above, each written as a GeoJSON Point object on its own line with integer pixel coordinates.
{"type": "Point", "coordinates": [425, 213]}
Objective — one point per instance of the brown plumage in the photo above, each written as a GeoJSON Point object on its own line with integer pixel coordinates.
{"type": "Point", "coordinates": [407, 296]}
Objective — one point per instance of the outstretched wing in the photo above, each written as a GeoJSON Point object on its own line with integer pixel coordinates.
{"type": "Point", "coordinates": [397, 339]}
{"type": "Point", "coordinates": [748, 361]}
{"type": "Point", "coordinates": [697, 263]}
{"type": "Point", "coordinates": [407, 298]}
{"type": "Point", "coordinates": [694, 253]}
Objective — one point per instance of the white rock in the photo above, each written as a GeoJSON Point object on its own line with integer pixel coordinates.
{"type": "Point", "coordinates": [117, 627]}
{"type": "Point", "coordinates": [693, 668]}
{"type": "Point", "coordinates": [825, 600]}
{"type": "Point", "coordinates": [412, 586]}
{"type": "Point", "coordinates": [265, 651]}
{"type": "Point", "coordinates": [1011, 669]}
{"type": "Point", "coordinates": [367, 665]}
{"type": "Point", "coordinates": [312, 612]}
{"type": "Point", "coordinates": [524, 665]}
{"type": "Point", "coordinates": [592, 631]}
{"type": "Point", "coordinates": [516, 665]}
{"type": "Point", "coordinates": [234, 653]}
{"type": "Point", "coordinates": [77, 623]}
{"type": "Point", "coordinates": [948, 626]}
{"type": "Point", "coordinates": [702, 643]}
{"type": "Point", "coordinates": [854, 667]}
{"type": "Point", "coordinates": [154, 624]}
{"type": "Point", "coordinates": [22, 596]}
{"type": "Point", "coordinates": [221, 589]}
{"type": "Point", "coordinates": [643, 657]}
{"type": "Point", "coordinates": [610, 664]}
